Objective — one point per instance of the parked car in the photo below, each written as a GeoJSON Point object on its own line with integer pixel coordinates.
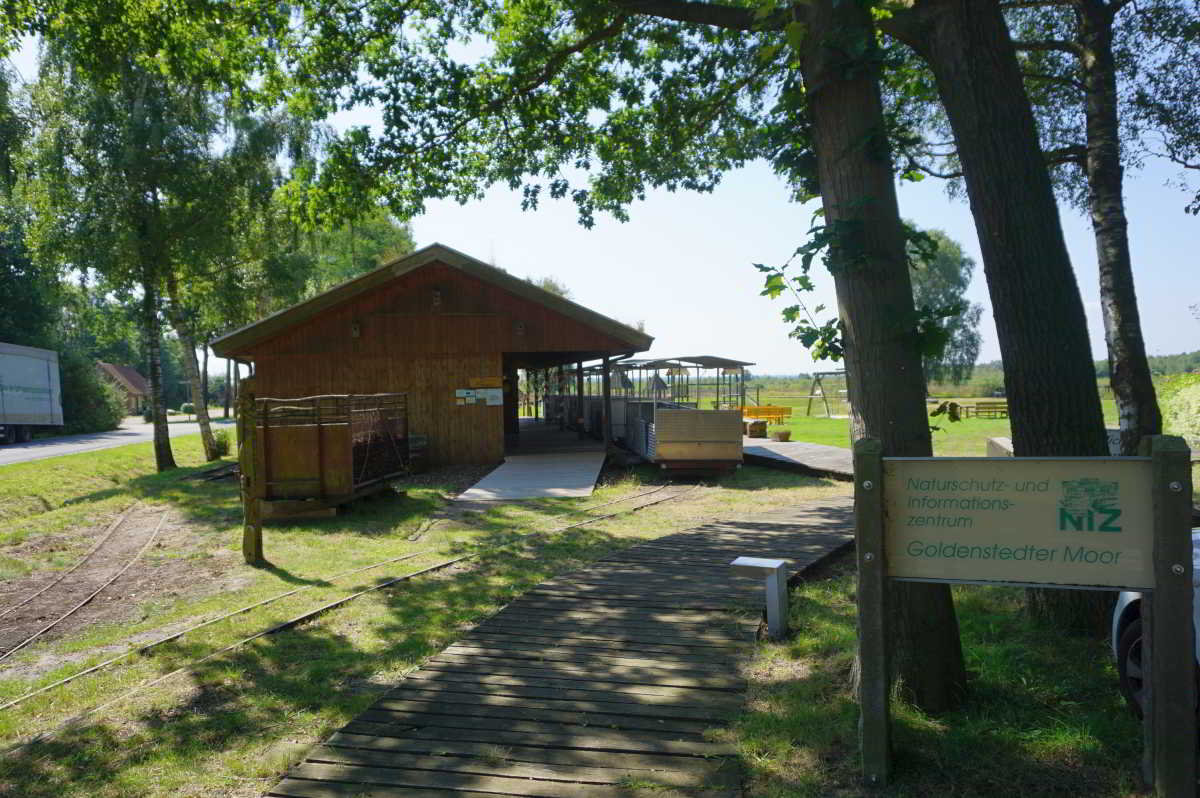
{"type": "Point", "coordinates": [1127, 633]}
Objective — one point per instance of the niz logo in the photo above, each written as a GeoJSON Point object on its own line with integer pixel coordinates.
{"type": "Point", "coordinates": [1089, 505]}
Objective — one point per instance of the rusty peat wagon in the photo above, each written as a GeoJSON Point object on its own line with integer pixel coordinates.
{"type": "Point", "coordinates": [316, 452]}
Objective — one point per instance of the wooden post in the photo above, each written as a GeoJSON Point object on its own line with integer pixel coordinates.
{"type": "Point", "coordinates": [606, 402]}
{"type": "Point", "coordinates": [512, 401]}
{"type": "Point", "coordinates": [1168, 636]}
{"type": "Point", "coordinates": [560, 398]}
{"type": "Point", "coordinates": [252, 544]}
{"type": "Point", "coordinates": [579, 398]}
{"type": "Point", "coordinates": [541, 395]}
{"type": "Point", "coordinates": [873, 648]}
{"type": "Point", "coordinates": [228, 386]}
{"type": "Point", "coordinates": [316, 402]}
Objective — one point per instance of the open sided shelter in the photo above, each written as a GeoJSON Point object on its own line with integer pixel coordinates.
{"type": "Point", "coordinates": [680, 423]}
{"type": "Point", "coordinates": [447, 330]}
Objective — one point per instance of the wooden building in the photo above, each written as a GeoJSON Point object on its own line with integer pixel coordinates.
{"type": "Point", "coordinates": [446, 329]}
{"type": "Point", "coordinates": [134, 390]}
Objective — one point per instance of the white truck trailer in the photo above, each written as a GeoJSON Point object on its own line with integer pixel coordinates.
{"type": "Point", "coordinates": [30, 392]}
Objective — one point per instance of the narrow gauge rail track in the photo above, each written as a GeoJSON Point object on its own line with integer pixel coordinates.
{"type": "Point", "coordinates": [108, 560]}
{"type": "Point", "coordinates": [683, 491]}
{"type": "Point", "coordinates": [294, 622]}
{"type": "Point", "coordinates": [430, 524]}
{"type": "Point", "coordinates": [112, 527]}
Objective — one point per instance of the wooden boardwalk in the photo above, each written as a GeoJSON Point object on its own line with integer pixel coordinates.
{"type": "Point", "coordinates": [811, 458]}
{"type": "Point", "coordinates": [593, 684]}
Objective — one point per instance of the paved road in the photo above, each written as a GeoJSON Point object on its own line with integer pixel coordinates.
{"type": "Point", "coordinates": [132, 431]}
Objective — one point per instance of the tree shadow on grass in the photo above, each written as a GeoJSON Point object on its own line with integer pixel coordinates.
{"type": "Point", "coordinates": [218, 503]}
{"type": "Point", "coordinates": [287, 576]}
{"type": "Point", "coordinates": [1042, 718]}
{"type": "Point", "coordinates": [304, 681]}
{"type": "Point", "coordinates": [243, 709]}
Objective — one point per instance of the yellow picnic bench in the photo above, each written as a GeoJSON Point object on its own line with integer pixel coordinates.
{"type": "Point", "coordinates": [987, 409]}
{"type": "Point", "coordinates": [772, 414]}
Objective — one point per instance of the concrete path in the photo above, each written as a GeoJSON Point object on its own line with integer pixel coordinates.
{"type": "Point", "coordinates": [539, 476]}
{"type": "Point", "coordinates": [591, 685]}
{"type": "Point", "coordinates": [130, 432]}
{"type": "Point", "coordinates": [813, 458]}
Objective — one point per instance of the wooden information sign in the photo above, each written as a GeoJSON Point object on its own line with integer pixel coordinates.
{"type": "Point", "coordinates": [1107, 522]}
{"type": "Point", "coordinates": [1062, 522]}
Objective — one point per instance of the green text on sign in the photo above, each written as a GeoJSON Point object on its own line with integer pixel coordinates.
{"type": "Point", "coordinates": [1068, 521]}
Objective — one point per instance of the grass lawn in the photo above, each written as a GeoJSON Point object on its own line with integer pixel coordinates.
{"type": "Point", "coordinates": [231, 727]}
{"type": "Point", "coordinates": [72, 497]}
{"type": "Point", "coordinates": [966, 438]}
{"type": "Point", "coordinates": [1044, 716]}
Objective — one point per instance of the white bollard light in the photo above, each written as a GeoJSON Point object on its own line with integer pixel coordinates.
{"type": "Point", "coordinates": [775, 572]}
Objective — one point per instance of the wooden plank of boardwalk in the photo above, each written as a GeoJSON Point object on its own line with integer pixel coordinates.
{"type": "Point", "coordinates": [594, 684]}
{"type": "Point", "coordinates": [810, 458]}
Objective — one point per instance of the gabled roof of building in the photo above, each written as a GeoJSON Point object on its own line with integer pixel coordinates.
{"type": "Point", "coordinates": [240, 339]}
{"type": "Point", "coordinates": [127, 377]}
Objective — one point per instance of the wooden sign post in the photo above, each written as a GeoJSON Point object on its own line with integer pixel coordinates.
{"type": "Point", "coordinates": [251, 479]}
{"type": "Point", "coordinates": [1118, 523]}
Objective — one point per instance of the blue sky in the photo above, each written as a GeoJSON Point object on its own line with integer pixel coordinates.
{"type": "Point", "coordinates": [683, 262]}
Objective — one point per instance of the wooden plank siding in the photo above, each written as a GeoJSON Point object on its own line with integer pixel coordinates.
{"type": "Point", "coordinates": [424, 333]}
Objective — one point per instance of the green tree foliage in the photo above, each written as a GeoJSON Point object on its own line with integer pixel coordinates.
{"type": "Point", "coordinates": [35, 301]}
{"type": "Point", "coordinates": [126, 184]}
{"type": "Point", "coordinates": [591, 101]}
{"type": "Point", "coordinates": [1181, 405]}
{"type": "Point", "coordinates": [31, 292]}
{"type": "Point", "coordinates": [940, 282]}
{"type": "Point", "coordinates": [1163, 365]}
{"type": "Point", "coordinates": [90, 403]}
{"type": "Point", "coordinates": [1153, 49]}
{"type": "Point", "coordinates": [216, 45]}
{"type": "Point", "coordinates": [353, 248]}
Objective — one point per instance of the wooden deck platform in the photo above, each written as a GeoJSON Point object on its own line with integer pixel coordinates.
{"type": "Point", "coordinates": [539, 476]}
{"type": "Point", "coordinates": [812, 458]}
{"type": "Point", "coordinates": [591, 685]}
{"type": "Point", "coordinates": [538, 436]}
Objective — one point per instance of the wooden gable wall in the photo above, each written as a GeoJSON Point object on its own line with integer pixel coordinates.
{"type": "Point", "coordinates": [425, 333]}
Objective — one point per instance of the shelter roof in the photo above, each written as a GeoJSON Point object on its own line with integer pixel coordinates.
{"type": "Point", "coordinates": [237, 341]}
{"type": "Point", "coordinates": [704, 361]}
{"type": "Point", "coordinates": [713, 362]}
{"type": "Point", "coordinates": [127, 377]}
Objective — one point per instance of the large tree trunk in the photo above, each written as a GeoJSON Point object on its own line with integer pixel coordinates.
{"type": "Point", "coordinates": [883, 365]}
{"type": "Point", "coordinates": [1049, 375]}
{"type": "Point", "coordinates": [1130, 377]}
{"type": "Point", "coordinates": [192, 366]}
{"type": "Point", "coordinates": [164, 459]}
